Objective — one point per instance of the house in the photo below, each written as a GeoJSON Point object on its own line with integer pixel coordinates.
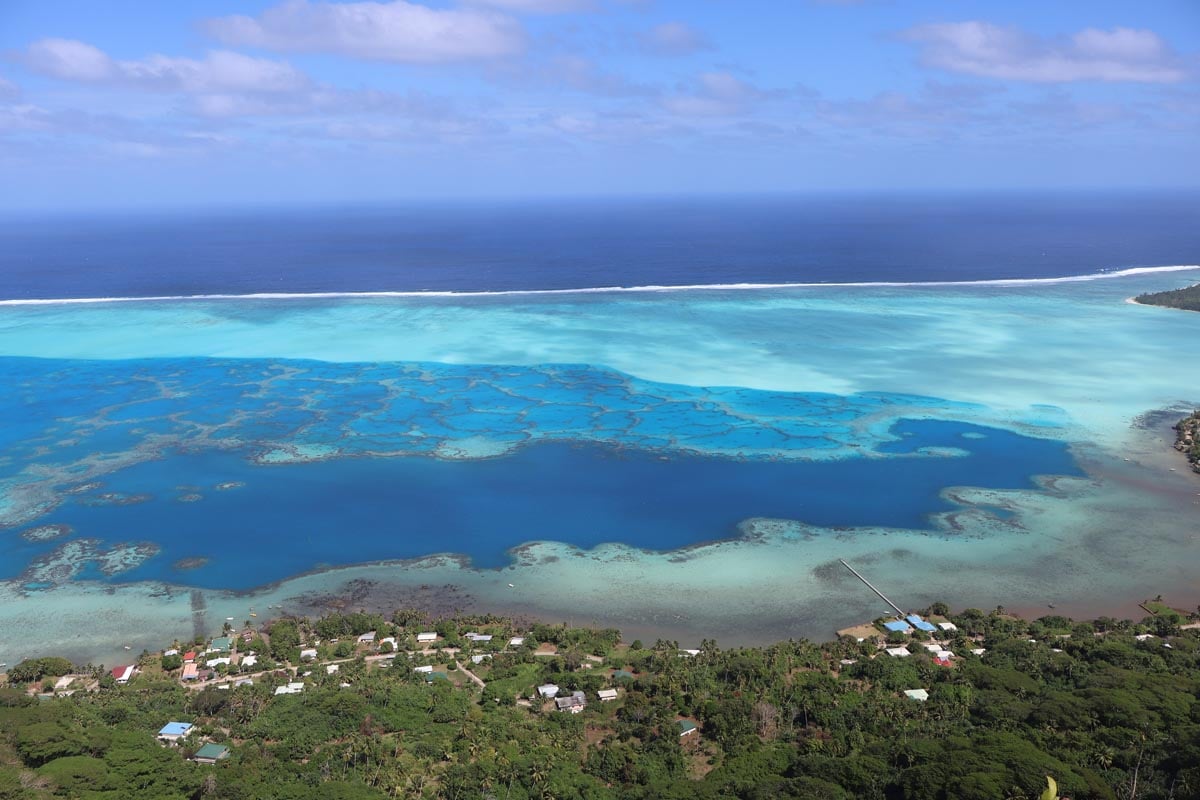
{"type": "Point", "coordinates": [247, 635]}
{"type": "Point", "coordinates": [574, 704]}
{"type": "Point", "coordinates": [63, 682]}
{"type": "Point", "coordinates": [291, 688]}
{"type": "Point", "coordinates": [547, 690]}
{"type": "Point", "coordinates": [479, 659]}
{"type": "Point", "coordinates": [944, 655]}
{"type": "Point", "coordinates": [978, 651]}
{"type": "Point", "coordinates": [692, 653]}
{"type": "Point", "coordinates": [367, 638]}
{"type": "Point", "coordinates": [477, 637]}
{"type": "Point", "coordinates": [1141, 637]}
{"type": "Point", "coordinates": [426, 637]}
{"type": "Point", "coordinates": [920, 624]}
{"type": "Point", "coordinates": [607, 694]}
{"type": "Point", "coordinates": [250, 660]}
{"type": "Point", "coordinates": [174, 732]}
{"type": "Point", "coordinates": [948, 626]}
{"type": "Point", "coordinates": [189, 656]}
{"type": "Point", "coordinates": [308, 654]}
{"type": "Point", "coordinates": [216, 662]}
{"type": "Point", "coordinates": [686, 728]}
{"type": "Point", "coordinates": [916, 694]}
{"type": "Point", "coordinates": [426, 669]}
{"type": "Point", "coordinates": [897, 626]}
{"type": "Point", "coordinates": [123, 674]}
{"type": "Point", "coordinates": [389, 640]}
{"type": "Point", "coordinates": [942, 662]}
{"type": "Point", "coordinates": [332, 668]}
{"type": "Point", "coordinates": [221, 645]}
{"type": "Point", "coordinates": [898, 652]}
{"type": "Point", "coordinates": [516, 641]}
{"type": "Point", "coordinates": [171, 652]}
{"type": "Point", "coordinates": [244, 682]}
{"type": "Point", "coordinates": [190, 671]}
{"type": "Point", "coordinates": [932, 647]}
{"type": "Point", "coordinates": [211, 753]}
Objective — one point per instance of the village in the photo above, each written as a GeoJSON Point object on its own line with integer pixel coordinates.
{"type": "Point", "coordinates": [288, 657]}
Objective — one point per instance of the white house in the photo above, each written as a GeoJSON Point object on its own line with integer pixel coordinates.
{"type": "Point", "coordinates": [516, 641]}
{"type": "Point", "coordinates": [367, 638]}
{"type": "Point", "coordinates": [477, 637]}
{"type": "Point", "coordinates": [426, 637]}
{"type": "Point", "coordinates": [174, 732]}
{"type": "Point", "coordinates": [250, 660]}
{"type": "Point", "coordinates": [978, 651]}
{"type": "Point", "coordinates": [547, 690]}
{"type": "Point", "coordinates": [426, 669]}
{"type": "Point", "coordinates": [216, 662]}
{"type": "Point", "coordinates": [916, 694]}
{"type": "Point", "coordinates": [123, 674]}
{"type": "Point", "coordinates": [898, 652]}
{"type": "Point", "coordinates": [308, 654]}
{"type": "Point", "coordinates": [291, 688]}
{"type": "Point", "coordinates": [947, 626]}
{"type": "Point", "coordinates": [332, 668]}
{"type": "Point", "coordinates": [607, 694]}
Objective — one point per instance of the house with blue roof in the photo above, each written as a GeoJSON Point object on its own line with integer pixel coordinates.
{"type": "Point", "coordinates": [921, 624]}
{"type": "Point", "coordinates": [897, 626]}
{"type": "Point", "coordinates": [174, 732]}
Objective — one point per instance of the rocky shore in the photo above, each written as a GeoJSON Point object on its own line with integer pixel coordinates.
{"type": "Point", "coordinates": [1187, 439]}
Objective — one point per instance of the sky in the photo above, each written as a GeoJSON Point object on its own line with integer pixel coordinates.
{"type": "Point", "coordinates": [142, 102]}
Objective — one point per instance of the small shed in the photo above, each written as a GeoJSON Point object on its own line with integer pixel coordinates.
{"type": "Point", "coordinates": [686, 728]}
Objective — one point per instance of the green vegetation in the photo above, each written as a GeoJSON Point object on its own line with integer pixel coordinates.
{"type": "Point", "coordinates": [1187, 298]}
{"type": "Point", "coordinates": [1187, 438]}
{"type": "Point", "coordinates": [1099, 711]}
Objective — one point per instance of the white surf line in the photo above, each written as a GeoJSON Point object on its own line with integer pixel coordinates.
{"type": "Point", "coordinates": [1095, 276]}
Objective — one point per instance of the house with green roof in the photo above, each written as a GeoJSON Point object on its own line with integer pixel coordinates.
{"type": "Point", "coordinates": [211, 753]}
{"type": "Point", "coordinates": [221, 644]}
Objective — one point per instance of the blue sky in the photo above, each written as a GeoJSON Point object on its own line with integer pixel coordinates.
{"type": "Point", "coordinates": [203, 101]}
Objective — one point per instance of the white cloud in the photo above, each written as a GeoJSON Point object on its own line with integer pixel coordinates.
{"type": "Point", "coordinates": [70, 60]}
{"type": "Point", "coordinates": [8, 88]}
{"type": "Point", "coordinates": [673, 39]}
{"type": "Point", "coordinates": [383, 31]}
{"type": "Point", "coordinates": [714, 94]}
{"type": "Point", "coordinates": [538, 6]}
{"type": "Point", "coordinates": [219, 71]}
{"type": "Point", "coordinates": [994, 51]}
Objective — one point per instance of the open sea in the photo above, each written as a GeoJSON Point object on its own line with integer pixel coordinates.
{"type": "Point", "coordinates": [948, 390]}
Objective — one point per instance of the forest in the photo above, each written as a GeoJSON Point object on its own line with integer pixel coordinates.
{"type": "Point", "coordinates": [1107, 709]}
{"type": "Point", "coordinates": [1187, 298]}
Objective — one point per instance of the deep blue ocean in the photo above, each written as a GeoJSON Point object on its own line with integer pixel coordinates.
{"type": "Point", "coordinates": [560, 244]}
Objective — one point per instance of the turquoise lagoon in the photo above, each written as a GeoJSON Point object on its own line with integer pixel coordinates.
{"type": "Point", "coordinates": [680, 463]}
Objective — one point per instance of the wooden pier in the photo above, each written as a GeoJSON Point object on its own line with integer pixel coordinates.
{"type": "Point", "coordinates": [868, 584]}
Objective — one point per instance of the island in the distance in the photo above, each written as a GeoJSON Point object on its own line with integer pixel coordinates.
{"type": "Point", "coordinates": [1187, 298]}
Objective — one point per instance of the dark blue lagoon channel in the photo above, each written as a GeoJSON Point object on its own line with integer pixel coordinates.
{"type": "Point", "coordinates": [268, 522]}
